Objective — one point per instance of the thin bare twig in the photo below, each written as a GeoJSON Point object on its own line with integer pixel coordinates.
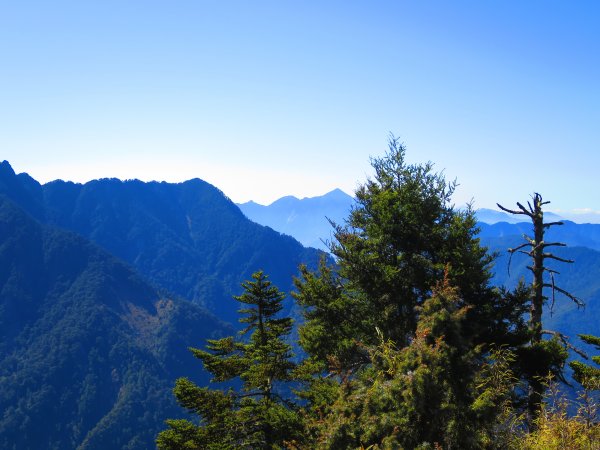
{"type": "Point", "coordinates": [580, 303]}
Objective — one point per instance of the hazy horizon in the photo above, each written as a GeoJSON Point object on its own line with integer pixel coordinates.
{"type": "Point", "coordinates": [271, 99]}
{"type": "Point", "coordinates": [576, 215]}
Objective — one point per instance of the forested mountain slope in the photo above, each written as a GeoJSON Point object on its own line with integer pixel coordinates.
{"type": "Point", "coordinates": [582, 278]}
{"type": "Point", "coordinates": [187, 238]}
{"type": "Point", "coordinates": [88, 350]}
{"type": "Point", "coordinates": [571, 233]}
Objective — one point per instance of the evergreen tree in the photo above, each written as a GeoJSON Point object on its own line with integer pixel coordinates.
{"type": "Point", "coordinates": [587, 375]}
{"type": "Point", "coordinates": [255, 417]}
{"type": "Point", "coordinates": [402, 239]}
{"type": "Point", "coordinates": [393, 248]}
{"type": "Point", "coordinates": [418, 396]}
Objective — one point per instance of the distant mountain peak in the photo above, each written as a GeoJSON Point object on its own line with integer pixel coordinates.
{"type": "Point", "coordinates": [305, 219]}
{"type": "Point", "coordinates": [337, 192]}
{"type": "Point", "coordinates": [6, 171]}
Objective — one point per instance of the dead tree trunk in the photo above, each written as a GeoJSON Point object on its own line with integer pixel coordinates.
{"type": "Point", "coordinates": [535, 248]}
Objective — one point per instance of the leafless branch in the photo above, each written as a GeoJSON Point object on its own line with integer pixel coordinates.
{"type": "Point", "coordinates": [577, 301]}
{"type": "Point", "coordinates": [512, 250]}
{"type": "Point", "coordinates": [550, 224]}
{"type": "Point", "coordinates": [551, 256]}
{"type": "Point", "coordinates": [565, 340]}
{"type": "Point", "coordinates": [553, 244]}
{"type": "Point", "coordinates": [522, 208]}
{"type": "Point", "coordinates": [530, 207]}
{"type": "Point", "coordinates": [512, 211]}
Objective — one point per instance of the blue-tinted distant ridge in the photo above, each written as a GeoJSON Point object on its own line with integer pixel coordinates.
{"type": "Point", "coordinates": [305, 219]}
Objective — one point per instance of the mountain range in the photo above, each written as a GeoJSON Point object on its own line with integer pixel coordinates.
{"type": "Point", "coordinates": [307, 219]}
{"type": "Point", "coordinates": [103, 287]}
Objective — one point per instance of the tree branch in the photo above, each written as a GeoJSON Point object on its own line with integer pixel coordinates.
{"type": "Point", "coordinates": [512, 211]}
{"type": "Point", "coordinates": [555, 244]}
{"type": "Point", "coordinates": [530, 207]}
{"type": "Point", "coordinates": [551, 256]}
{"type": "Point", "coordinates": [577, 301]}
{"type": "Point", "coordinates": [512, 250]}
{"type": "Point", "coordinates": [530, 213]}
{"type": "Point", "coordinates": [550, 224]}
{"type": "Point", "coordinates": [565, 341]}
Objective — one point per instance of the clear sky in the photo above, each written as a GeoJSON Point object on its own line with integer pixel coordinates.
{"type": "Point", "coordinates": [269, 98]}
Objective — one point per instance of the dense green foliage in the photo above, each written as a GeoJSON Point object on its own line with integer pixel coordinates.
{"type": "Point", "coordinates": [418, 395]}
{"type": "Point", "coordinates": [88, 350]}
{"type": "Point", "coordinates": [586, 374]}
{"type": "Point", "coordinates": [400, 237]}
{"type": "Point", "coordinates": [405, 320]}
{"type": "Point", "coordinates": [255, 416]}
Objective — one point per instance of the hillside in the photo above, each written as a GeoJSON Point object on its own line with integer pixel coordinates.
{"type": "Point", "coordinates": [88, 350]}
{"type": "Point", "coordinates": [186, 238]}
{"type": "Point", "coordinates": [571, 233]}
{"type": "Point", "coordinates": [95, 320]}
{"type": "Point", "coordinates": [580, 278]}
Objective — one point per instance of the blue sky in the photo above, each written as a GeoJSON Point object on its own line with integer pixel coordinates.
{"type": "Point", "coordinates": [265, 99]}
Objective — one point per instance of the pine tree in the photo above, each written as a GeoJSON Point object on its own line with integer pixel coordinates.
{"type": "Point", "coordinates": [417, 396]}
{"type": "Point", "coordinates": [394, 247]}
{"type": "Point", "coordinates": [256, 416]}
{"type": "Point", "coordinates": [587, 375]}
{"type": "Point", "coordinates": [402, 239]}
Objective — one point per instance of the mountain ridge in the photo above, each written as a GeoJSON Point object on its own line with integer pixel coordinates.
{"type": "Point", "coordinates": [305, 219]}
{"type": "Point", "coordinates": [94, 313]}
{"type": "Point", "coordinates": [86, 342]}
{"type": "Point", "coordinates": [188, 237]}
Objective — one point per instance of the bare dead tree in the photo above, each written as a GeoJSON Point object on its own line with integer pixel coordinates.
{"type": "Point", "coordinates": [536, 249]}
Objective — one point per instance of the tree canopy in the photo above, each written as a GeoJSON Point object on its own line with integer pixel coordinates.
{"type": "Point", "coordinates": [255, 416]}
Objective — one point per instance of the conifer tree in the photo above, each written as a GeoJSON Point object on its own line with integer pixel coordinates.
{"type": "Point", "coordinates": [394, 247]}
{"type": "Point", "coordinates": [256, 416]}
{"type": "Point", "coordinates": [402, 239]}
{"type": "Point", "coordinates": [585, 374]}
{"type": "Point", "coordinates": [418, 396]}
